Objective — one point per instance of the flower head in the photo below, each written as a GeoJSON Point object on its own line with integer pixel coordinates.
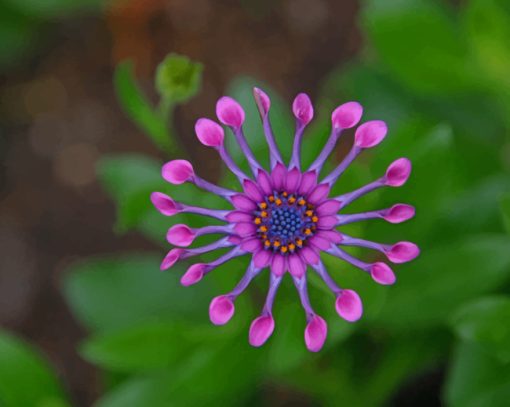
{"type": "Point", "coordinates": [284, 217]}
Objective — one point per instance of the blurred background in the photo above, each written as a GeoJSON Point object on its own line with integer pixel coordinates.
{"type": "Point", "coordinates": [90, 107]}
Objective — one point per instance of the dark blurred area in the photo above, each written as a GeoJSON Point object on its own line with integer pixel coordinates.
{"type": "Point", "coordinates": [59, 115]}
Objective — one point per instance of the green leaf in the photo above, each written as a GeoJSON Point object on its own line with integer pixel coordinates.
{"type": "Point", "coordinates": [148, 346]}
{"type": "Point", "coordinates": [505, 211]}
{"type": "Point", "coordinates": [485, 321]}
{"type": "Point", "coordinates": [210, 376]}
{"type": "Point", "coordinates": [178, 78]}
{"type": "Point", "coordinates": [487, 24]}
{"type": "Point", "coordinates": [130, 179]}
{"type": "Point", "coordinates": [476, 379]}
{"type": "Point", "coordinates": [139, 109]}
{"type": "Point", "coordinates": [26, 379]}
{"type": "Point", "coordinates": [421, 45]}
{"type": "Point", "coordinates": [431, 288]}
{"type": "Point", "coordinates": [115, 292]}
{"type": "Point", "coordinates": [49, 9]}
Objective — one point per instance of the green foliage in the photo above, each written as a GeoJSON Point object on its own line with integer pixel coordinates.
{"type": "Point", "coordinates": [178, 78]}
{"type": "Point", "coordinates": [485, 322]}
{"type": "Point", "coordinates": [476, 379]}
{"type": "Point", "coordinates": [25, 377]}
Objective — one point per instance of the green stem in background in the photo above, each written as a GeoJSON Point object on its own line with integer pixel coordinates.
{"type": "Point", "coordinates": [177, 80]}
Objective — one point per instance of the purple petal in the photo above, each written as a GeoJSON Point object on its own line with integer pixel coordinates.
{"type": "Point", "coordinates": [308, 181]}
{"type": "Point", "coordinates": [309, 255]}
{"type": "Point", "coordinates": [315, 334]}
{"type": "Point", "coordinates": [302, 108]}
{"type": "Point", "coordinates": [347, 115]}
{"type": "Point", "coordinates": [403, 252]}
{"type": "Point", "coordinates": [333, 236]}
{"type": "Point", "coordinates": [251, 245]}
{"type": "Point", "coordinates": [320, 242]}
{"type": "Point", "coordinates": [398, 172]}
{"type": "Point", "coordinates": [262, 100]}
{"type": "Point", "coordinates": [194, 274]}
{"type": "Point", "coordinates": [180, 235]}
{"type": "Point", "coordinates": [327, 222]}
{"type": "Point", "coordinates": [245, 230]}
{"type": "Point", "coordinates": [177, 171]}
{"type": "Point", "coordinates": [239, 216]}
{"type": "Point", "coordinates": [260, 330]}
{"type": "Point", "coordinates": [296, 266]}
{"type": "Point", "coordinates": [262, 258]}
{"type": "Point", "coordinates": [278, 176]}
{"type": "Point", "coordinates": [330, 207]}
{"type": "Point", "coordinates": [171, 258]}
{"type": "Point", "coordinates": [370, 134]}
{"type": "Point", "coordinates": [292, 181]}
{"type": "Point", "coordinates": [278, 265]}
{"type": "Point", "coordinates": [209, 132]}
{"type": "Point", "coordinates": [264, 182]}
{"type": "Point", "coordinates": [243, 203]}
{"type": "Point", "coordinates": [251, 189]}
{"type": "Point", "coordinates": [349, 306]}
{"type": "Point", "coordinates": [319, 193]}
{"type": "Point", "coordinates": [230, 112]}
{"type": "Point", "coordinates": [221, 310]}
{"type": "Point", "coordinates": [164, 204]}
{"type": "Point", "coordinates": [382, 274]}
{"type": "Point", "coordinates": [399, 213]}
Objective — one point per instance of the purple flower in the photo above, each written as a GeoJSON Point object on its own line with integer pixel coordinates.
{"type": "Point", "coordinates": [284, 218]}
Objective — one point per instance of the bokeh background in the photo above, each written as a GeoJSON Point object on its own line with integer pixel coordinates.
{"type": "Point", "coordinates": [90, 108]}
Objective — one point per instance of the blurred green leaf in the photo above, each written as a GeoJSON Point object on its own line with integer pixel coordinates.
{"type": "Point", "coordinates": [421, 45]}
{"type": "Point", "coordinates": [487, 24]}
{"type": "Point", "coordinates": [210, 376]}
{"type": "Point", "coordinates": [26, 379]}
{"type": "Point", "coordinates": [49, 9]}
{"type": "Point", "coordinates": [148, 346]}
{"type": "Point", "coordinates": [139, 109]}
{"type": "Point", "coordinates": [17, 34]}
{"type": "Point", "coordinates": [130, 179]}
{"type": "Point", "coordinates": [485, 321]}
{"type": "Point", "coordinates": [505, 211]}
{"type": "Point", "coordinates": [115, 292]}
{"type": "Point", "coordinates": [476, 379]}
{"type": "Point", "coordinates": [178, 78]}
{"type": "Point", "coordinates": [431, 288]}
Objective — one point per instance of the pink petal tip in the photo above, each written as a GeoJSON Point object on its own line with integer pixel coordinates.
{"type": "Point", "coordinates": [171, 258]}
{"type": "Point", "coordinates": [370, 134]}
{"type": "Point", "coordinates": [209, 132]}
{"type": "Point", "coordinates": [180, 235]}
{"type": "Point", "coordinates": [349, 306]}
{"type": "Point", "coordinates": [230, 112]}
{"type": "Point", "coordinates": [403, 252]}
{"type": "Point", "coordinates": [164, 204]}
{"type": "Point", "coordinates": [315, 334]}
{"type": "Point", "coordinates": [398, 172]}
{"type": "Point", "coordinates": [302, 108]}
{"type": "Point", "coordinates": [347, 115]}
{"type": "Point", "coordinates": [177, 171]}
{"type": "Point", "coordinates": [262, 100]}
{"type": "Point", "coordinates": [260, 330]}
{"type": "Point", "coordinates": [399, 213]}
{"type": "Point", "coordinates": [221, 310]}
{"type": "Point", "coordinates": [193, 275]}
{"type": "Point", "coordinates": [382, 274]}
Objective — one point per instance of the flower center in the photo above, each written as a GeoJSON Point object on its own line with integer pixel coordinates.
{"type": "Point", "coordinates": [285, 222]}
